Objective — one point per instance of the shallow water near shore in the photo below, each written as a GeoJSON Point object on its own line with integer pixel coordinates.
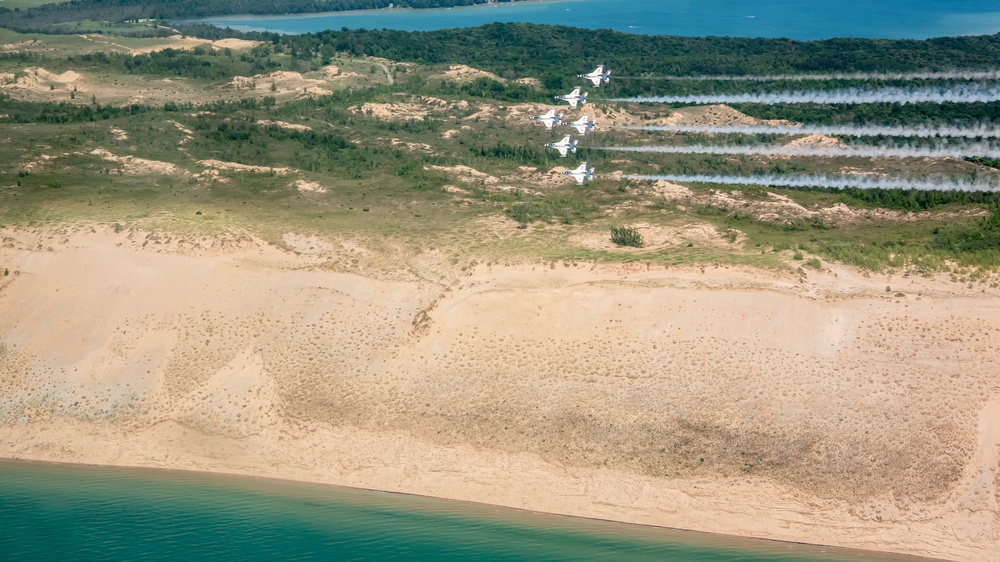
{"type": "Point", "coordinates": [799, 19]}
{"type": "Point", "coordinates": [61, 512]}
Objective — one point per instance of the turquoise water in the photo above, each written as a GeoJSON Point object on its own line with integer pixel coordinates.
{"type": "Point", "coordinates": [797, 19]}
{"type": "Point", "coordinates": [67, 512]}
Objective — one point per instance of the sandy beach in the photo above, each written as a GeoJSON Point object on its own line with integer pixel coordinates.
{"type": "Point", "coordinates": [835, 407]}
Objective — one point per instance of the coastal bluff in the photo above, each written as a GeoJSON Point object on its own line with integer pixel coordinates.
{"type": "Point", "coordinates": [834, 407]}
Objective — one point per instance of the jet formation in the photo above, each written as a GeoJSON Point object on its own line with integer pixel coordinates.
{"type": "Point", "coordinates": [582, 125]}
{"type": "Point", "coordinates": [574, 97]}
{"type": "Point", "coordinates": [549, 118]}
{"type": "Point", "coordinates": [597, 77]}
{"type": "Point", "coordinates": [563, 146]}
{"type": "Point", "coordinates": [581, 173]}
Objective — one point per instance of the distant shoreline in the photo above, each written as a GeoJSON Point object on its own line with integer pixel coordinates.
{"type": "Point", "coordinates": [645, 17]}
{"type": "Point", "coordinates": [875, 555]}
{"type": "Point", "coordinates": [336, 13]}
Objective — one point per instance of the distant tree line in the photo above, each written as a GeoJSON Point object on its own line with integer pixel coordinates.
{"type": "Point", "coordinates": [15, 111]}
{"type": "Point", "coordinates": [555, 53]}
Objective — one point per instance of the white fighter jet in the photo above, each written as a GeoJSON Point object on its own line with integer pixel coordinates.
{"type": "Point", "coordinates": [573, 98]}
{"type": "Point", "coordinates": [581, 173]}
{"type": "Point", "coordinates": [597, 76]}
{"type": "Point", "coordinates": [582, 125]}
{"type": "Point", "coordinates": [549, 118]}
{"type": "Point", "coordinates": [563, 146]}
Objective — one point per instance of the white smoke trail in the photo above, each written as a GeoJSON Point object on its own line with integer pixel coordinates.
{"type": "Point", "coordinates": [950, 75]}
{"type": "Point", "coordinates": [959, 151]}
{"type": "Point", "coordinates": [961, 93]}
{"type": "Point", "coordinates": [821, 181]}
{"type": "Point", "coordinates": [979, 130]}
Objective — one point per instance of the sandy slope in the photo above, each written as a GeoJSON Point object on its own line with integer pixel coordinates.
{"type": "Point", "coordinates": [719, 399]}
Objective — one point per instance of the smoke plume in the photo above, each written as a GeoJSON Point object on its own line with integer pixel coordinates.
{"type": "Point", "coordinates": [952, 75]}
{"type": "Point", "coordinates": [839, 182]}
{"type": "Point", "coordinates": [957, 151]}
{"type": "Point", "coordinates": [978, 130]}
{"type": "Point", "coordinates": [959, 93]}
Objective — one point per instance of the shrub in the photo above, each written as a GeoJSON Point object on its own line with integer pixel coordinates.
{"type": "Point", "coordinates": [626, 236]}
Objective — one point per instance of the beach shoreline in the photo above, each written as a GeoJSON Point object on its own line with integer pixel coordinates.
{"type": "Point", "coordinates": [534, 386]}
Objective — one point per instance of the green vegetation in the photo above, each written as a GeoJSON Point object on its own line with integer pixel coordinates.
{"type": "Point", "coordinates": [626, 236]}
{"type": "Point", "coordinates": [433, 161]}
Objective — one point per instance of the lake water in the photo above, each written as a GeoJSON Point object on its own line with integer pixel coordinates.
{"type": "Point", "coordinates": [797, 19]}
{"type": "Point", "coordinates": [66, 512]}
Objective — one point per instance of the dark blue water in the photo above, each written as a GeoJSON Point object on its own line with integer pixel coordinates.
{"type": "Point", "coordinates": [66, 512]}
{"type": "Point", "coordinates": [797, 19]}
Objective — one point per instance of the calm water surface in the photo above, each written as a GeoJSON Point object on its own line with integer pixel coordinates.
{"type": "Point", "coordinates": [797, 19]}
{"type": "Point", "coordinates": [66, 512]}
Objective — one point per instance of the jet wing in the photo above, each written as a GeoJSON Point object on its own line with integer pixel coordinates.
{"type": "Point", "coordinates": [562, 150]}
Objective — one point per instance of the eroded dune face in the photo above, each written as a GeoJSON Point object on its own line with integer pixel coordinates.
{"type": "Point", "coordinates": [834, 391]}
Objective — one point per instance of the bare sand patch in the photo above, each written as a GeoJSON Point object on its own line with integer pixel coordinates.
{"type": "Point", "coordinates": [132, 166]}
{"type": "Point", "coordinates": [463, 73]}
{"type": "Point", "coordinates": [284, 125]}
{"type": "Point", "coordinates": [412, 146]}
{"type": "Point", "coordinates": [450, 133]}
{"type": "Point", "coordinates": [532, 82]}
{"type": "Point", "coordinates": [179, 42]}
{"type": "Point", "coordinates": [408, 107]}
{"type": "Point", "coordinates": [37, 163]}
{"type": "Point", "coordinates": [234, 44]}
{"type": "Point", "coordinates": [465, 174]}
{"type": "Point", "coordinates": [248, 168]}
{"type": "Point", "coordinates": [279, 83]}
{"type": "Point", "coordinates": [713, 115]}
{"type": "Point", "coordinates": [722, 399]}
{"type": "Point", "coordinates": [37, 80]}
{"type": "Point", "coordinates": [816, 141]}
{"type": "Point", "coordinates": [671, 191]}
{"type": "Point", "coordinates": [306, 244]}
{"type": "Point", "coordinates": [306, 186]}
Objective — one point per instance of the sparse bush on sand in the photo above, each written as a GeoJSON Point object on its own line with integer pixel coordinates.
{"type": "Point", "coordinates": [626, 236]}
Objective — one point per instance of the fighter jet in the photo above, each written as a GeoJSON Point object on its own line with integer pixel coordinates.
{"type": "Point", "coordinates": [582, 125]}
{"type": "Point", "coordinates": [581, 173]}
{"type": "Point", "coordinates": [597, 76]}
{"type": "Point", "coordinates": [573, 98]}
{"type": "Point", "coordinates": [549, 118]}
{"type": "Point", "coordinates": [563, 146]}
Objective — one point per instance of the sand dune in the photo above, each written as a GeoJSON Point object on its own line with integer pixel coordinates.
{"type": "Point", "coordinates": [741, 401]}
